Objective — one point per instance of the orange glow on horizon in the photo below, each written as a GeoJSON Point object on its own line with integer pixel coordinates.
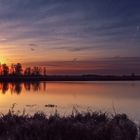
{"type": "Point", "coordinates": [3, 60]}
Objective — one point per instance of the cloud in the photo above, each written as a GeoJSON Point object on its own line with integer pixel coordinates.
{"type": "Point", "coordinates": [33, 45]}
{"type": "Point", "coordinates": [75, 27]}
{"type": "Point", "coordinates": [7, 48]}
{"type": "Point", "coordinates": [2, 39]}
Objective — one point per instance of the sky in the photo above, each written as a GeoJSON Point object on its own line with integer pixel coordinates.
{"type": "Point", "coordinates": [72, 36]}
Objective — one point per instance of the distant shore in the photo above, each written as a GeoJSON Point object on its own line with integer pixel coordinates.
{"type": "Point", "coordinates": [70, 78]}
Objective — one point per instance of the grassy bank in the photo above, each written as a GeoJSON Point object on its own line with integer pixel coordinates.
{"type": "Point", "coordinates": [78, 126]}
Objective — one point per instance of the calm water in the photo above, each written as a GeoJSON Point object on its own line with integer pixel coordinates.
{"type": "Point", "coordinates": [124, 96]}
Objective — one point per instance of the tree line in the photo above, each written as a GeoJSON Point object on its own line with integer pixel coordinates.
{"type": "Point", "coordinates": [18, 70]}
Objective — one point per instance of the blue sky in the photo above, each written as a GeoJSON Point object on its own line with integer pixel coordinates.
{"type": "Point", "coordinates": [59, 31]}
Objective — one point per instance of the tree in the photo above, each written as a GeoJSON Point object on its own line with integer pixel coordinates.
{"type": "Point", "coordinates": [36, 71]}
{"type": "Point", "coordinates": [44, 71]}
{"type": "Point", "coordinates": [5, 69]}
{"type": "Point", "coordinates": [0, 69]}
{"type": "Point", "coordinates": [27, 71]}
{"type": "Point", "coordinates": [18, 69]}
{"type": "Point", "coordinates": [12, 69]}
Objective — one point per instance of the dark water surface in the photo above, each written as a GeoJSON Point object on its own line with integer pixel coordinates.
{"type": "Point", "coordinates": [122, 96]}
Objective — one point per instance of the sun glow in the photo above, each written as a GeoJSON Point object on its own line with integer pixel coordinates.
{"type": "Point", "coordinates": [2, 60]}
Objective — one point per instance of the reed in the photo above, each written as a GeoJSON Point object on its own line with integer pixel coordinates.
{"type": "Point", "coordinates": [77, 126]}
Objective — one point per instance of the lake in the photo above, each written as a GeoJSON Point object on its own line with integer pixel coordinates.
{"type": "Point", "coordinates": [117, 96]}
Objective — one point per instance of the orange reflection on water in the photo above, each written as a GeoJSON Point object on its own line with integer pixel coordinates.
{"type": "Point", "coordinates": [97, 95]}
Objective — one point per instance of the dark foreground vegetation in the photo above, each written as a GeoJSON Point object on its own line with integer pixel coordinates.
{"type": "Point", "coordinates": [85, 126]}
{"type": "Point", "coordinates": [16, 73]}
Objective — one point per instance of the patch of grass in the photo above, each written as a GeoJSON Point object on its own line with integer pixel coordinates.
{"type": "Point", "coordinates": [77, 126]}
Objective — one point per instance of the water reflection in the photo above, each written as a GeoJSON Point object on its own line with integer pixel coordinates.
{"type": "Point", "coordinates": [34, 96]}
{"type": "Point", "coordinates": [19, 87]}
{"type": "Point", "coordinates": [116, 90]}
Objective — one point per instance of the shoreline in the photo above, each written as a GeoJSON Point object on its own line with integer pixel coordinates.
{"type": "Point", "coordinates": [69, 78]}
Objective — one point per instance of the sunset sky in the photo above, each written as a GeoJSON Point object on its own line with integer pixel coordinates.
{"type": "Point", "coordinates": [72, 36]}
